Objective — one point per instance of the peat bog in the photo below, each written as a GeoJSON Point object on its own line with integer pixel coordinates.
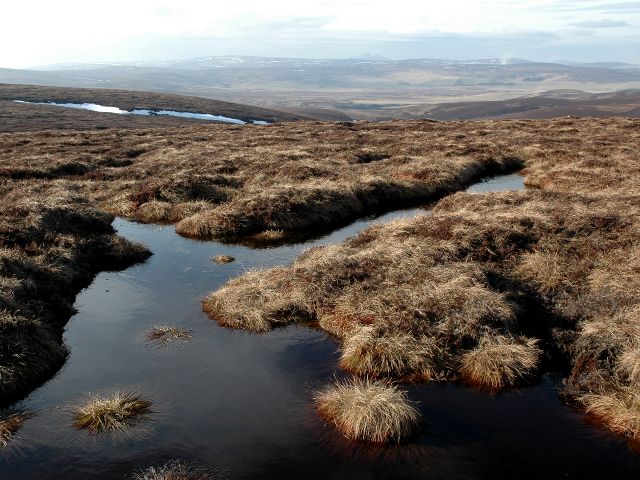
{"type": "Point", "coordinates": [541, 282]}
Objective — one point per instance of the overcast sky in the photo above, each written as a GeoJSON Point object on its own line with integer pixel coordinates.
{"type": "Point", "coordinates": [63, 31]}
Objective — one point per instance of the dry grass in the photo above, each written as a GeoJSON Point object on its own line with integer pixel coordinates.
{"type": "Point", "coordinates": [618, 408]}
{"type": "Point", "coordinates": [17, 117]}
{"type": "Point", "coordinates": [267, 237]}
{"type": "Point", "coordinates": [154, 212]}
{"type": "Point", "coordinates": [222, 259]}
{"type": "Point", "coordinates": [177, 470]}
{"type": "Point", "coordinates": [258, 183]}
{"type": "Point", "coordinates": [499, 361]}
{"type": "Point", "coordinates": [367, 410]}
{"type": "Point", "coordinates": [495, 281]}
{"type": "Point", "coordinates": [52, 243]}
{"type": "Point", "coordinates": [629, 362]}
{"type": "Point", "coordinates": [11, 422]}
{"type": "Point", "coordinates": [368, 352]}
{"type": "Point", "coordinates": [559, 263]}
{"type": "Point", "coordinates": [162, 335]}
{"type": "Point", "coordinates": [113, 412]}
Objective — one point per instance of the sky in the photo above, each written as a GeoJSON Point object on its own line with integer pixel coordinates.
{"type": "Point", "coordinates": [36, 33]}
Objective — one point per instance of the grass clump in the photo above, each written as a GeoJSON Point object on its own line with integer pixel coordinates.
{"type": "Point", "coordinates": [177, 470]}
{"type": "Point", "coordinates": [154, 212]}
{"type": "Point", "coordinates": [11, 422]}
{"type": "Point", "coordinates": [221, 259]}
{"type": "Point", "coordinates": [113, 412]}
{"type": "Point", "coordinates": [368, 410]}
{"type": "Point", "coordinates": [499, 362]}
{"type": "Point", "coordinates": [162, 335]}
{"type": "Point", "coordinates": [369, 352]}
{"type": "Point", "coordinates": [618, 408]}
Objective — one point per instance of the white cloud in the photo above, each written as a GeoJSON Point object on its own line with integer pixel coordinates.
{"type": "Point", "coordinates": [601, 23]}
{"type": "Point", "coordinates": [41, 32]}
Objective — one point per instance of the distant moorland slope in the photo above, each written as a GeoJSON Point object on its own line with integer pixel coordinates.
{"type": "Point", "coordinates": [25, 116]}
{"type": "Point", "coordinates": [367, 88]}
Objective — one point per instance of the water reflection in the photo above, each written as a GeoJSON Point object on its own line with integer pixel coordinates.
{"type": "Point", "coordinates": [243, 401]}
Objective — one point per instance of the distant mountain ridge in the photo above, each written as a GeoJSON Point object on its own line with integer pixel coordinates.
{"type": "Point", "coordinates": [256, 61]}
{"type": "Point", "coordinates": [367, 88]}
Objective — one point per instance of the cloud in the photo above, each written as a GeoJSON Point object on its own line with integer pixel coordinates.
{"type": "Point", "coordinates": [77, 30]}
{"type": "Point", "coordinates": [600, 7]}
{"type": "Point", "coordinates": [603, 23]}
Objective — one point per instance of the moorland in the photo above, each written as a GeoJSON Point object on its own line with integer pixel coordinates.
{"type": "Point", "coordinates": [15, 117]}
{"type": "Point", "coordinates": [490, 290]}
{"type": "Point", "coordinates": [372, 88]}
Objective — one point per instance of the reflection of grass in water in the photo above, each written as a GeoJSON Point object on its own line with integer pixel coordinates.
{"type": "Point", "coordinates": [269, 236]}
{"type": "Point", "coordinates": [368, 410]}
{"type": "Point", "coordinates": [177, 470]}
{"type": "Point", "coordinates": [112, 412]}
{"type": "Point", "coordinates": [162, 335]}
{"type": "Point", "coordinates": [11, 422]}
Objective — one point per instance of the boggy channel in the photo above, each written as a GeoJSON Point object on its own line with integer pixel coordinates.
{"type": "Point", "coordinates": [243, 401]}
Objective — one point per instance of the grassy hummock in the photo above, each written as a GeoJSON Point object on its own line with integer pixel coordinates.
{"type": "Point", "coordinates": [113, 412]}
{"type": "Point", "coordinates": [178, 470]}
{"type": "Point", "coordinates": [162, 335]}
{"type": "Point", "coordinates": [368, 410]}
{"type": "Point", "coordinates": [11, 421]}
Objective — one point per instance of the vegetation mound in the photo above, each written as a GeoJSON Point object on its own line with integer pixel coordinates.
{"type": "Point", "coordinates": [489, 288]}
{"type": "Point", "coordinates": [162, 335]}
{"type": "Point", "coordinates": [177, 470]}
{"type": "Point", "coordinates": [113, 412]}
{"type": "Point", "coordinates": [222, 259]}
{"type": "Point", "coordinates": [52, 243]}
{"type": "Point", "coordinates": [11, 422]}
{"type": "Point", "coordinates": [368, 410]}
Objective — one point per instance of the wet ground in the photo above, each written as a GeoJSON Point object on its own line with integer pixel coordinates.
{"type": "Point", "coordinates": [243, 401]}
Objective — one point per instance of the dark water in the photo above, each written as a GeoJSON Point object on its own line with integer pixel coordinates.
{"type": "Point", "coordinates": [243, 401]}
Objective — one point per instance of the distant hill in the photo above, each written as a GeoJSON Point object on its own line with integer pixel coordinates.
{"type": "Point", "coordinates": [551, 104]}
{"type": "Point", "coordinates": [367, 88]}
{"type": "Point", "coordinates": [27, 116]}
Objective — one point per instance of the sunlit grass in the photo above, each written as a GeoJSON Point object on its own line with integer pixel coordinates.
{"type": "Point", "coordinates": [222, 259]}
{"type": "Point", "coordinates": [177, 470]}
{"type": "Point", "coordinates": [113, 412]}
{"type": "Point", "coordinates": [11, 421]}
{"type": "Point", "coordinates": [368, 410]}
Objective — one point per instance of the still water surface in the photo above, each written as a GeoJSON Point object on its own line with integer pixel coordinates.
{"type": "Point", "coordinates": [94, 107]}
{"type": "Point", "coordinates": [243, 401]}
